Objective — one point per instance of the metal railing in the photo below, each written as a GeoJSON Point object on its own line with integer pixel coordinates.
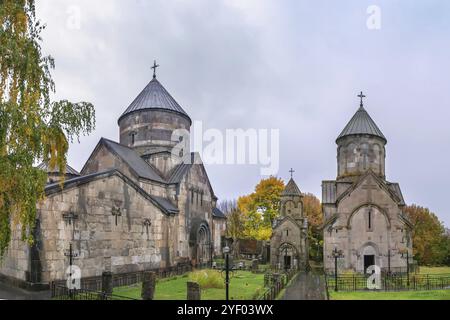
{"type": "Point", "coordinates": [126, 279]}
{"type": "Point", "coordinates": [390, 282]}
{"type": "Point", "coordinates": [275, 283]}
{"type": "Point", "coordinates": [59, 292]}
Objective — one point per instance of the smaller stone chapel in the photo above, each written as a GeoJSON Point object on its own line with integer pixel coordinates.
{"type": "Point", "coordinates": [289, 242]}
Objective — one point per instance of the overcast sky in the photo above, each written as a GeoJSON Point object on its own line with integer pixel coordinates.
{"type": "Point", "coordinates": [293, 65]}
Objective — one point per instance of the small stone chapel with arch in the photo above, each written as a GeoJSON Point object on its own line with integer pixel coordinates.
{"type": "Point", "coordinates": [289, 242]}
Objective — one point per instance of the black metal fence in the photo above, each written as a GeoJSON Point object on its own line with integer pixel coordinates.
{"type": "Point", "coordinates": [390, 282]}
{"type": "Point", "coordinates": [126, 279]}
{"type": "Point", "coordinates": [275, 283]}
{"type": "Point", "coordinates": [59, 292]}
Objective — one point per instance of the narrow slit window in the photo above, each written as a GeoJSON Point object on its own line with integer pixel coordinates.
{"type": "Point", "coordinates": [370, 219]}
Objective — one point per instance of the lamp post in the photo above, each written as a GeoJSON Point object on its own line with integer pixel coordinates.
{"type": "Point", "coordinates": [226, 251]}
{"type": "Point", "coordinates": [336, 254]}
{"type": "Point", "coordinates": [407, 265]}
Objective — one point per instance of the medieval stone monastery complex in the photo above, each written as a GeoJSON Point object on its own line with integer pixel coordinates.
{"type": "Point", "coordinates": [136, 205]}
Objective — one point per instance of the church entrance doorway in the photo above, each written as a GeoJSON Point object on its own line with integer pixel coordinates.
{"type": "Point", "coordinates": [201, 244]}
{"type": "Point", "coordinates": [369, 260]}
{"type": "Point", "coordinates": [287, 256]}
{"type": "Point", "coordinates": [287, 262]}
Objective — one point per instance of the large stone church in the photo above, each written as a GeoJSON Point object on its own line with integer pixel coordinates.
{"type": "Point", "coordinates": [363, 211]}
{"type": "Point", "coordinates": [134, 206]}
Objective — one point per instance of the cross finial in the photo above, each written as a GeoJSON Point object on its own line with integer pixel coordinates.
{"type": "Point", "coordinates": [361, 95]}
{"type": "Point", "coordinates": [292, 173]}
{"type": "Point", "coordinates": [154, 69]}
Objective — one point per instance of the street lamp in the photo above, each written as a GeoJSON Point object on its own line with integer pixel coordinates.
{"type": "Point", "coordinates": [226, 251]}
{"type": "Point", "coordinates": [336, 254]}
{"type": "Point", "coordinates": [406, 255]}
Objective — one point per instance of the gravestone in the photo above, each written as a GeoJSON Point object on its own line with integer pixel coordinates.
{"type": "Point", "coordinates": [148, 285]}
{"type": "Point", "coordinates": [107, 283]}
{"type": "Point", "coordinates": [255, 265]}
{"type": "Point", "coordinates": [193, 291]}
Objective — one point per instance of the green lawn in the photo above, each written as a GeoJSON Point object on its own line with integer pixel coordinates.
{"type": "Point", "coordinates": [403, 295]}
{"type": "Point", "coordinates": [435, 270]}
{"type": "Point", "coordinates": [243, 286]}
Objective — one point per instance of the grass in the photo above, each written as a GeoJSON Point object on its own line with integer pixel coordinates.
{"type": "Point", "coordinates": [435, 270]}
{"type": "Point", "coordinates": [381, 295]}
{"type": "Point", "coordinates": [244, 285]}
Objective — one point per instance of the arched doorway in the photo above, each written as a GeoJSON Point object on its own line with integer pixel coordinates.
{"type": "Point", "coordinates": [369, 256]}
{"type": "Point", "coordinates": [201, 243]}
{"type": "Point", "coordinates": [288, 256]}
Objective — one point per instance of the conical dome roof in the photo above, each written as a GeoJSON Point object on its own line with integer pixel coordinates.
{"type": "Point", "coordinates": [155, 96]}
{"type": "Point", "coordinates": [362, 123]}
{"type": "Point", "coordinates": [291, 189]}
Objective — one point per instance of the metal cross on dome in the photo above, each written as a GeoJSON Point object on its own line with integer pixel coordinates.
{"type": "Point", "coordinates": [292, 173]}
{"type": "Point", "coordinates": [154, 69]}
{"type": "Point", "coordinates": [362, 96]}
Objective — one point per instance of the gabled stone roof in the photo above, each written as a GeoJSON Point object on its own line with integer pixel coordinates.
{"type": "Point", "coordinates": [361, 123]}
{"type": "Point", "coordinates": [132, 158]}
{"type": "Point", "coordinates": [163, 203]}
{"type": "Point", "coordinates": [291, 189]}
{"type": "Point", "coordinates": [217, 213]}
{"type": "Point", "coordinates": [69, 170]}
{"type": "Point", "coordinates": [155, 96]}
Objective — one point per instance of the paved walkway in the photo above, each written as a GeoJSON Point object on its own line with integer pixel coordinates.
{"type": "Point", "coordinates": [11, 293]}
{"type": "Point", "coordinates": [307, 286]}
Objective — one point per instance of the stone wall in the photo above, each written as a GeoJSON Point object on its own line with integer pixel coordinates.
{"type": "Point", "coordinates": [16, 262]}
{"type": "Point", "coordinates": [152, 129]}
{"type": "Point", "coordinates": [359, 154]}
{"type": "Point", "coordinates": [355, 236]}
{"type": "Point", "coordinates": [195, 204]}
{"type": "Point", "coordinates": [218, 230]}
{"type": "Point", "coordinates": [101, 244]}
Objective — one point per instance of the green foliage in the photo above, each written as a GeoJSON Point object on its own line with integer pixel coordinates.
{"type": "Point", "coordinates": [244, 285]}
{"type": "Point", "coordinates": [207, 279]}
{"type": "Point", "coordinates": [32, 128]}
{"type": "Point", "coordinates": [261, 208]}
{"type": "Point", "coordinates": [312, 209]}
{"type": "Point", "coordinates": [431, 245]}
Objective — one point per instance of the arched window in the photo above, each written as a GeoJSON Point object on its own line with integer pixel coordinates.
{"type": "Point", "coordinates": [370, 220]}
{"type": "Point", "coordinates": [365, 155]}
{"type": "Point", "coordinates": [352, 156]}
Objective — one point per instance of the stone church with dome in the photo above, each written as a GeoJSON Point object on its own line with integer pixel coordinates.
{"type": "Point", "coordinates": [365, 223]}
{"type": "Point", "coordinates": [289, 241]}
{"type": "Point", "coordinates": [136, 205]}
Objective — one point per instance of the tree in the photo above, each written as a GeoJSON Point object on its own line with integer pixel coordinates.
{"type": "Point", "coordinates": [430, 243]}
{"type": "Point", "coordinates": [261, 208]}
{"type": "Point", "coordinates": [32, 127]}
{"type": "Point", "coordinates": [312, 210]}
{"type": "Point", "coordinates": [235, 225]}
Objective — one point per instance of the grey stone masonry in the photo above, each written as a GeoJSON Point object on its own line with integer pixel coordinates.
{"type": "Point", "coordinates": [363, 212]}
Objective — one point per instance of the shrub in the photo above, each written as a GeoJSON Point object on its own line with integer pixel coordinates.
{"type": "Point", "coordinates": [207, 279]}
